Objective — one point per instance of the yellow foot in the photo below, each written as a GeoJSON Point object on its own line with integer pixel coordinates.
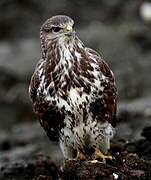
{"type": "Point", "coordinates": [72, 159]}
{"type": "Point", "coordinates": [101, 156]}
{"type": "Point", "coordinates": [80, 156]}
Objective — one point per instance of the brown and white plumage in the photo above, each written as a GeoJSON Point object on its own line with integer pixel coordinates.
{"type": "Point", "coordinates": [73, 91]}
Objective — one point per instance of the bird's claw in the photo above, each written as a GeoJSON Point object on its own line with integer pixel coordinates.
{"type": "Point", "coordinates": [80, 156]}
{"type": "Point", "coordinates": [101, 156]}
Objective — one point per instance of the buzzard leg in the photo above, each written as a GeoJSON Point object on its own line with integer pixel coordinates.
{"type": "Point", "coordinates": [80, 156]}
{"type": "Point", "coordinates": [100, 155]}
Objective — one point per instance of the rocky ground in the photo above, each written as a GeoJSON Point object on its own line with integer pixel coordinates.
{"type": "Point", "coordinates": [119, 31]}
{"type": "Point", "coordinates": [131, 160]}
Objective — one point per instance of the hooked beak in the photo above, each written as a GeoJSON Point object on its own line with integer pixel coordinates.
{"type": "Point", "coordinates": [69, 30]}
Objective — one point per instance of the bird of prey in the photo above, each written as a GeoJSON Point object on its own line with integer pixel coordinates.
{"type": "Point", "coordinates": [73, 92]}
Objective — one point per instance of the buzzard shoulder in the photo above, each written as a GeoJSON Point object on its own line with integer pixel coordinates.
{"type": "Point", "coordinates": [35, 81]}
{"type": "Point", "coordinates": [103, 106]}
{"type": "Point", "coordinates": [40, 105]}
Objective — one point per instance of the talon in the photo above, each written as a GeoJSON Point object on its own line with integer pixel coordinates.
{"type": "Point", "coordinates": [80, 155]}
{"type": "Point", "coordinates": [100, 155]}
{"type": "Point", "coordinates": [72, 159]}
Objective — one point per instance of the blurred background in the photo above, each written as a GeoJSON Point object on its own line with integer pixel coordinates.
{"type": "Point", "coordinates": [119, 30]}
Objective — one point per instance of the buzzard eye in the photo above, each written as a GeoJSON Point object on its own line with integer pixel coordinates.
{"type": "Point", "coordinates": [56, 29]}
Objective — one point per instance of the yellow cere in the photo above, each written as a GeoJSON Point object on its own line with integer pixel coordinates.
{"type": "Point", "coordinates": [69, 27]}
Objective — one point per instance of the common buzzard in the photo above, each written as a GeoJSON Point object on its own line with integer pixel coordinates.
{"type": "Point", "coordinates": [73, 92]}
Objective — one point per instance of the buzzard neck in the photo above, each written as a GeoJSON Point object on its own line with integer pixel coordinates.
{"type": "Point", "coordinates": [63, 54]}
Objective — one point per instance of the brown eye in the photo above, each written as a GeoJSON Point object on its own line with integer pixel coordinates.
{"type": "Point", "coordinates": [56, 29]}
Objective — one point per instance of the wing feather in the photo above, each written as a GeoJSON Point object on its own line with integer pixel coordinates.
{"type": "Point", "coordinates": [105, 104]}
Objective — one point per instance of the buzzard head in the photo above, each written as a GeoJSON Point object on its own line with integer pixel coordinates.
{"type": "Point", "coordinates": [57, 29]}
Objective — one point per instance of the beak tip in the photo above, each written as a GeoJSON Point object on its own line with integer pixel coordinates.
{"type": "Point", "coordinates": [69, 28]}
